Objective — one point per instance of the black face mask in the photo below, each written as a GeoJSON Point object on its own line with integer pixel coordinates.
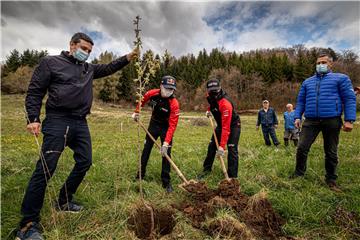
{"type": "Point", "coordinates": [214, 94]}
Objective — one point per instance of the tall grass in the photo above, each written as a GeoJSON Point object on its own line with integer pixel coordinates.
{"type": "Point", "coordinates": [108, 191]}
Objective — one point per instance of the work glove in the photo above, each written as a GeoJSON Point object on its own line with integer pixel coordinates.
{"type": "Point", "coordinates": [135, 116]}
{"type": "Point", "coordinates": [164, 149]}
{"type": "Point", "coordinates": [208, 114]}
{"type": "Point", "coordinates": [220, 152]}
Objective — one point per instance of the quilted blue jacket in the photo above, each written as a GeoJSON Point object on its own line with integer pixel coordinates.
{"type": "Point", "coordinates": [326, 96]}
{"type": "Point", "coordinates": [289, 120]}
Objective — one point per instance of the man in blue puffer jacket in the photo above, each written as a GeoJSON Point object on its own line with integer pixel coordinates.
{"type": "Point", "coordinates": [322, 99]}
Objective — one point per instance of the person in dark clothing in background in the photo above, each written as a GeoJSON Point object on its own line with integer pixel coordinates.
{"type": "Point", "coordinates": [163, 123]}
{"type": "Point", "coordinates": [322, 99]}
{"type": "Point", "coordinates": [227, 130]}
{"type": "Point", "coordinates": [268, 120]}
{"type": "Point", "coordinates": [357, 90]}
{"type": "Point", "coordinates": [67, 78]}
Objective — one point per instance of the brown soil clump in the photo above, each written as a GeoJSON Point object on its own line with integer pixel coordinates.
{"type": "Point", "coordinates": [260, 215]}
{"type": "Point", "coordinates": [198, 190]}
{"type": "Point", "coordinates": [148, 222]}
{"type": "Point", "coordinates": [229, 188]}
{"type": "Point", "coordinates": [142, 221]}
{"type": "Point", "coordinates": [164, 221]}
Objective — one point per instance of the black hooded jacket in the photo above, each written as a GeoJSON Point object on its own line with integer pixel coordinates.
{"type": "Point", "coordinates": [68, 83]}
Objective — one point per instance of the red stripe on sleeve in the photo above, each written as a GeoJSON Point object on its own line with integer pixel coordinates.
{"type": "Point", "coordinates": [225, 109]}
{"type": "Point", "coordinates": [173, 119]}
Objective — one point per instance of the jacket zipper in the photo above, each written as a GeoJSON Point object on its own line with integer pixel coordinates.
{"type": "Point", "coordinates": [317, 95]}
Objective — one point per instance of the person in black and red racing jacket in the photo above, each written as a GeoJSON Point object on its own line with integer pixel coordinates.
{"type": "Point", "coordinates": [163, 123]}
{"type": "Point", "coordinates": [227, 130]}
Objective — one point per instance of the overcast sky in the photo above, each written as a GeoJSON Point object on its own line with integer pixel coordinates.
{"type": "Point", "coordinates": [180, 27]}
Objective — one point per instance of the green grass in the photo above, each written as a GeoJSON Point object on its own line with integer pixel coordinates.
{"type": "Point", "coordinates": [108, 191]}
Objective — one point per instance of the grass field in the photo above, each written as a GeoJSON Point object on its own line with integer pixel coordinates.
{"type": "Point", "coordinates": [109, 191]}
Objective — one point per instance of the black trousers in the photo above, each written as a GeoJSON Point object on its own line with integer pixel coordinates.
{"type": "Point", "coordinates": [330, 129]}
{"type": "Point", "coordinates": [156, 130]}
{"type": "Point", "coordinates": [233, 155]}
{"type": "Point", "coordinates": [58, 132]}
{"type": "Point", "coordinates": [269, 131]}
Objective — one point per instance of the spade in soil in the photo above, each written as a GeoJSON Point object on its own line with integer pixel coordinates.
{"type": "Point", "coordinates": [189, 185]}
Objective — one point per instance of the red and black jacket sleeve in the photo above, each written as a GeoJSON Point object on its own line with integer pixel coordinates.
{"type": "Point", "coordinates": [149, 94]}
{"type": "Point", "coordinates": [173, 118]}
{"type": "Point", "coordinates": [226, 110]}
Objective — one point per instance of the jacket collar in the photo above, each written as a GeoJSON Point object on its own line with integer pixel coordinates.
{"type": "Point", "coordinates": [66, 54]}
{"type": "Point", "coordinates": [322, 74]}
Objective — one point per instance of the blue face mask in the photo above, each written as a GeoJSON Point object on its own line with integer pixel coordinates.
{"type": "Point", "coordinates": [322, 68]}
{"type": "Point", "coordinates": [80, 55]}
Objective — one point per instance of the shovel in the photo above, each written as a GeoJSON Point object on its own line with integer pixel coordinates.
{"type": "Point", "coordinates": [177, 170]}
{"type": "Point", "coordinates": [223, 168]}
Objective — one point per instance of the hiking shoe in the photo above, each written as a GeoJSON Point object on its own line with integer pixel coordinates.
{"type": "Point", "coordinates": [333, 186]}
{"type": "Point", "coordinates": [202, 175]}
{"type": "Point", "coordinates": [295, 175]}
{"type": "Point", "coordinates": [168, 188]}
{"type": "Point", "coordinates": [30, 231]}
{"type": "Point", "coordinates": [68, 207]}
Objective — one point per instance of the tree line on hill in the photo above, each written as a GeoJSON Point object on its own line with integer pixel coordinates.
{"type": "Point", "coordinates": [249, 77]}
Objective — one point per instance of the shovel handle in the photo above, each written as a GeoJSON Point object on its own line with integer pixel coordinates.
{"type": "Point", "coordinates": [177, 170]}
{"type": "Point", "coordinates": [217, 146]}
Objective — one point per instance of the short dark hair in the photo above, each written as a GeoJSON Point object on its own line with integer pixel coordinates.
{"type": "Point", "coordinates": [325, 54]}
{"type": "Point", "coordinates": [79, 35]}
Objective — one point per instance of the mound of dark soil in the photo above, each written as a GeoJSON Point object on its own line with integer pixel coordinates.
{"type": "Point", "coordinates": [255, 214]}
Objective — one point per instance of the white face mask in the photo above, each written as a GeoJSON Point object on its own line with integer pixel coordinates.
{"type": "Point", "coordinates": [166, 92]}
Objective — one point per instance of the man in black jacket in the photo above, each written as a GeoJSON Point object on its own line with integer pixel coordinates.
{"type": "Point", "coordinates": [268, 120]}
{"type": "Point", "coordinates": [67, 78]}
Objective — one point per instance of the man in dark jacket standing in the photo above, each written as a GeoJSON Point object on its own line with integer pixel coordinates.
{"type": "Point", "coordinates": [67, 78]}
{"type": "Point", "coordinates": [227, 129]}
{"type": "Point", "coordinates": [163, 123]}
{"type": "Point", "coordinates": [268, 120]}
{"type": "Point", "coordinates": [322, 99]}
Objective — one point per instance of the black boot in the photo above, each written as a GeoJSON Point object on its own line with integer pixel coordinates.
{"type": "Point", "coordinates": [137, 176]}
{"type": "Point", "coordinates": [296, 142]}
{"type": "Point", "coordinates": [286, 141]}
{"type": "Point", "coordinates": [168, 187]}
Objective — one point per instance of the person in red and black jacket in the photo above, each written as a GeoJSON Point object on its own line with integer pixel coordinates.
{"type": "Point", "coordinates": [227, 130]}
{"type": "Point", "coordinates": [164, 119]}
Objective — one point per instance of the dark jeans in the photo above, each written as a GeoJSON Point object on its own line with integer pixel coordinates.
{"type": "Point", "coordinates": [58, 132]}
{"type": "Point", "coordinates": [233, 156]}
{"type": "Point", "coordinates": [330, 129]}
{"type": "Point", "coordinates": [269, 131]}
{"type": "Point", "coordinates": [156, 130]}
